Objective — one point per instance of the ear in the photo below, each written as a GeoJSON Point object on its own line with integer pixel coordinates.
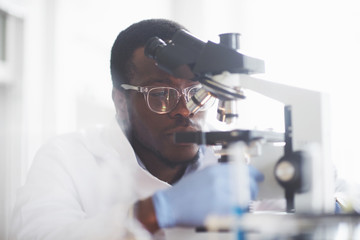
{"type": "Point", "coordinates": [121, 107]}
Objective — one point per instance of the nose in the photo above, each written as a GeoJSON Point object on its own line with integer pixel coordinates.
{"type": "Point", "coordinates": [181, 108]}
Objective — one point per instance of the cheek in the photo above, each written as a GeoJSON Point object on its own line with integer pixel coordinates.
{"type": "Point", "coordinates": [146, 125]}
{"type": "Point", "coordinates": [148, 132]}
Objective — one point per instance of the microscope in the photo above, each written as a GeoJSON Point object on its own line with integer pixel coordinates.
{"type": "Point", "coordinates": [303, 169]}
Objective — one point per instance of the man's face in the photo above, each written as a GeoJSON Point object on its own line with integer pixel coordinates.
{"type": "Point", "coordinates": [156, 131]}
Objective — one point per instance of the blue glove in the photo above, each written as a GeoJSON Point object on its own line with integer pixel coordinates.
{"type": "Point", "coordinates": [193, 198]}
{"type": "Point", "coordinates": [255, 177]}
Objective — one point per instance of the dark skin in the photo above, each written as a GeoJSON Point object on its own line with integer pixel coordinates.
{"type": "Point", "coordinates": [151, 134]}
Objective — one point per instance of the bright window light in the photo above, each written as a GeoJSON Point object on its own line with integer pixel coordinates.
{"type": "Point", "coordinates": [2, 36]}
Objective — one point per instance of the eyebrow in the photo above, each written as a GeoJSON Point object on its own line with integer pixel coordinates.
{"type": "Point", "coordinates": [158, 80]}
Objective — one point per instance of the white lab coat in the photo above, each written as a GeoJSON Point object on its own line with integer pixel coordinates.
{"type": "Point", "coordinates": [81, 186]}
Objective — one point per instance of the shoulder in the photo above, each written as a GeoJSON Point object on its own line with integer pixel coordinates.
{"type": "Point", "coordinates": [70, 144]}
{"type": "Point", "coordinates": [101, 145]}
{"type": "Point", "coordinates": [83, 158]}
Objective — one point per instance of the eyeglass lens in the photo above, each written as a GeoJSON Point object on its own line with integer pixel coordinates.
{"type": "Point", "coordinates": [164, 99]}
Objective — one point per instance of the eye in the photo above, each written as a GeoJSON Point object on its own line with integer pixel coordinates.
{"type": "Point", "coordinates": [159, 92]}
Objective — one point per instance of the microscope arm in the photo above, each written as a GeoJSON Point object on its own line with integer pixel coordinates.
{"type": "Point", "coordinates": [310, 126]}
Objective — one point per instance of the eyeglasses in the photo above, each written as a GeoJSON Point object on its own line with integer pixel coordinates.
{"type": "Point", "coordinates": [163, 100]}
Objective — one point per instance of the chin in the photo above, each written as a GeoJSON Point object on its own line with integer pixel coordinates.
{"type": "Point", "coordinates": [185, 153]}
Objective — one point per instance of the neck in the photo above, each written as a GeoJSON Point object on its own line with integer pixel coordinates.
{"type": "Point", "coordinates": [156, 165]}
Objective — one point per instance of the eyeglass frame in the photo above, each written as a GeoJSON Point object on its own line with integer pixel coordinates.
{"type": "Point", "coordinates": [146, 89]}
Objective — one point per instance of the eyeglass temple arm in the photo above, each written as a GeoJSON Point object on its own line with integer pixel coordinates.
{"type": "Point", "coordinates": [127, 87]}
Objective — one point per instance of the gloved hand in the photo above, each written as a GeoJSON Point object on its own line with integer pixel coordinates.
{"type": "Point", "coordinates": [255, 178]}
{"type": "Point", "coordinates": [208, 191]}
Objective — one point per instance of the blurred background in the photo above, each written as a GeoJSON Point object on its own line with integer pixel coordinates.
{"type": "Point", "coordinates": [54, 66]}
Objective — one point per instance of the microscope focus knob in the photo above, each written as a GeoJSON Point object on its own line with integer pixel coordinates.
{"type": "Point", "coordinates": [285, 171]}
{"type": "Point", "coordinates": [289, 171]}
{"type": "Point", "coordinates": [289, 174]}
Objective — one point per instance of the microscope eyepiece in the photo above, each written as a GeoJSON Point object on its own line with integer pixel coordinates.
{"type": "Point", "coordinates": [230, 40]}
{"type": "Point", "coordinates": [152, 46]}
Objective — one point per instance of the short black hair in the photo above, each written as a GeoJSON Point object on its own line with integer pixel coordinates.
{"type": "Point", "coordinates": [133, 37]}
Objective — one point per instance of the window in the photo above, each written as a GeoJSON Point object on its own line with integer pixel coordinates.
{"type": "Point", "coordinates": [7, 46]}
{"type": "Point", "coordinates": [2, 36]}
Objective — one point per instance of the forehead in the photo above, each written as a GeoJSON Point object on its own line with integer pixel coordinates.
{"type": "Point", "coordinates": [145, 68]}
{"type": "Point", "coordinates": [146, 71]}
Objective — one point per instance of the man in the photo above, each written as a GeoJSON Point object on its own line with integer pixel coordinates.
{"type": "Point", "coordinates": [94, 184]}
